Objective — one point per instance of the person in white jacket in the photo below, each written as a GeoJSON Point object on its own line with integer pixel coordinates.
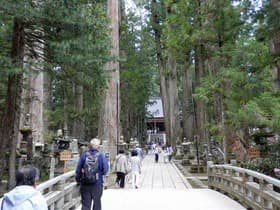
{"type": "Point", "coordinates": [135, 169]}
{"type": "Point", "coordinates": [24, 196]}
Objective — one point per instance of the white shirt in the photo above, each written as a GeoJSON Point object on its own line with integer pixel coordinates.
{"type": "Point", "coordinates": [135, 164]}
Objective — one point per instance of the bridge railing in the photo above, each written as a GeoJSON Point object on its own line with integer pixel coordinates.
{"type": "Point", "coordinates": [254, 190]}
{"type": "Point", "coordinates": [61, 192]}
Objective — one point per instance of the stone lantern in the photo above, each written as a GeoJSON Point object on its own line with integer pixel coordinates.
{"type": "Point", "coordinates": [135, 142]}
{"type": "Point", "coordinates": [179, 153]}
{"type": "Point", "coordinates": [131, 143]}
{"type": "Point", "coordinates": [121, 145]}
{"type": "Point", "coordinates": [186, 146]}
{"type": "Point", "coordinates": [186, 151]}
{"type": "Point", "coordinates": [27, 139]}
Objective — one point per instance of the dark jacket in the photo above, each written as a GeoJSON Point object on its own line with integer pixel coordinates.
{"type": "Point", "coordinates": [102, 166]}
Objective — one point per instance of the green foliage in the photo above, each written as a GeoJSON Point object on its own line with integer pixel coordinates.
{"type": "Point", "coordinates": [178, 28]}
{"type": "Point", "coordinates": [79, 50]}
{"type": "Point", "coordinates": [76, 48]}
{"type": "Point", "coordinates": [262, 165]}
{"type": "Point", "coordinates": [267, 19]}
{"type": "Point", "coordinates": [250, 81]}
{"type": "Point", "coordinates": [232, 37]}
{"type": "Point", "coordinates": [244, 84]}
{"type": "Point", "coordinates": [138, 71]}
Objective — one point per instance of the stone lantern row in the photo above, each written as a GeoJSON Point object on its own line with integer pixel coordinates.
{"type": "Point", "coordinates": [122, 145]}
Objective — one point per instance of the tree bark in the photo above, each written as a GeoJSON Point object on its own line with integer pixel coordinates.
{"type": "Point", "coordinates": [199, 106]}
{"type": "Point", "coordinates": [78, 125]}
{"type": "Point", "coordinates": [47, 101]}
{"type": "Point", "coordinates": [187, 104]}
{"type": "Point", "coordinates": [276, 69]}
{"type": "Point", "coordinates": [10, 128]}
{"type": "Point", "coordinates": [173, 103]}
{"type": "Point", "coordinates": [174, 115]}
{"type": "Point", "coordinates": [33, 92]}
{"type": "Point", "coordinates": [109, 123]}
{"type": "Point", "coordinates": [165, 99]}
{"type": "Point", "coordinates": [161, 67]}
{"type": "Point", "coordinates": [275, 49]}
{"type": "Point", "coordinates": [65, 113]}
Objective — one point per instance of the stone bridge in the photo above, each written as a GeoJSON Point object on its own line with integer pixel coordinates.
{"type": "Point", "coordinates": [162, 186]}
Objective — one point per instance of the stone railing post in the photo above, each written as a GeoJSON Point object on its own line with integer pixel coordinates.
{"type": "Point", "coordinates": [60, 187]}
{"type": "Point", "coordinates": [210, 171]}
{"type": "Point", "coordinates": [68, 197]}
{"type": "Point", "coordinates": [233, 162]}
{"type": "Point", "coordinates": [264, 186]}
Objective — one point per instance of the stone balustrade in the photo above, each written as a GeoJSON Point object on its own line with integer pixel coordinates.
{"type": "Point", "coordinates": [61, 192]}
{"type": "Point", "coordinates": [252, 189]}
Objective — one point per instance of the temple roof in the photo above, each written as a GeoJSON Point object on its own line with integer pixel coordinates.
{"type": "Point", "coordinates": [154, 108]}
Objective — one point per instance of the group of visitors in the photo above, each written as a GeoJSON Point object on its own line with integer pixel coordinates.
{"type": "Point", "coordinates": [91, 168]}
{"type": "Point", "coordinates": [166, 150]}
{"type": "Point", "coordinates": [126, 167]}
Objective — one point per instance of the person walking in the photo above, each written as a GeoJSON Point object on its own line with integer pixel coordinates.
{"type": "Point", "coordinates": [139, 151]}
{"type": "Point", "coordinates": [121, 168]}
{"type": "Point", "coordinates": [24, 196]}
{"type": "Point", "coordinates": [165, 155]}
{"type": "Point", "coordinates": [91, 168]}
{"type": "Point", "coordinates": [135, 169]}
{"type": "Point", "coordinates": [169, 152]}
{"type": "Point", "coordinates": [157, 151]}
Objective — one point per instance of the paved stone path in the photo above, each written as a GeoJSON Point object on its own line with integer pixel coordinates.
{"type": "Point", "coordinates": [161, 175]}
{"type": "Point", "coordinates": [162, 187]}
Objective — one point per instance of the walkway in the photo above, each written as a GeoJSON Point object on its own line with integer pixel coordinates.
{"type": "Point", "coordinates": [163, 187]}
{"type": "Point", "coordinates": [161, 175]}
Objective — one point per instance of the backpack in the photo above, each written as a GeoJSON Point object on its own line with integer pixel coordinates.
{"type": "Point", "coordinates": [90, 168]}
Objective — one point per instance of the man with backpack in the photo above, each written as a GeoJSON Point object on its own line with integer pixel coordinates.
{"type": "Point", "coordinates": [90, 170]}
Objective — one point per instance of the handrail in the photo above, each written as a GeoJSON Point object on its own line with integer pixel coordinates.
{"type": "Point", "coordinates": [253, 189]}
{"type": "Point", "coordinates": [61, 192]}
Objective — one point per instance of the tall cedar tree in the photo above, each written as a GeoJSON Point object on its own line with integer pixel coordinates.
{"type": "Point", "coordinates": [76, 43]}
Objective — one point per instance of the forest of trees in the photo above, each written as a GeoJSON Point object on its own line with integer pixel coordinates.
{"type": "Point", "coordinates": [218, 64]}
{"type": "Point", "coordinates": [214, 63]}
{"type": "Point", "coordinates": [218, 67]}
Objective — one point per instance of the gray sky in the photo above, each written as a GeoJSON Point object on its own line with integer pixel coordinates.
{"type": "Point", "coordinates": [131, 7]}
{"type": "Point", "coordinates": [130, 4]}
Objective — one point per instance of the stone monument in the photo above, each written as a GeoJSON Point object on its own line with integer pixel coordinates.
{"type": "Point", "coordinates": [186, 152]}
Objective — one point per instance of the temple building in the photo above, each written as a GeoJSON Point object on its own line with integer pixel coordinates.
{"type": "Point", "coordinates": [155, 122]}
